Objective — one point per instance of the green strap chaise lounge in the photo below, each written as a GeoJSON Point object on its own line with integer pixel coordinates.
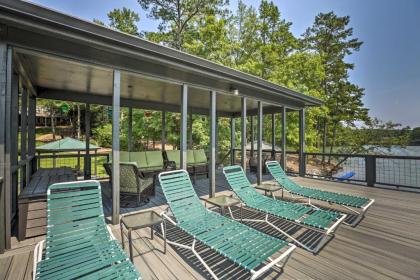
{"type": "Point", "coordinates": [245, 246]}
{"type": "Point", "coordinates": [78, 244]}
{"type": "Point", "coordinates": [325, 222]}
{"type": "Point", "coordinates": [349, 202]}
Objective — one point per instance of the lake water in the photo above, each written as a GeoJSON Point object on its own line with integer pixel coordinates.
{"type": "Point", "coordinates": [390, 171]}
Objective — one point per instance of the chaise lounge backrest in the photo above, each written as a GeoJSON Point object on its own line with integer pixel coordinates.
{"type": "Point", "coordinates": [180, 195]}
{"type": "Point", "coordinates": [78, 243]}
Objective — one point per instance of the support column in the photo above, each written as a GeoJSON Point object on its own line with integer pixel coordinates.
{"type": "Point", "coordinates": [87, 166]}
{"type": "Point", "coordinates": [5, 92]}
{"type": "Point", "coordinates": [163, 130]}
{"type": "Point", "coordinates": [217, 138]}
{"type": "Point", "coordinates": [130, 130]}
{"type": "Point", "coordinates": [232, 141]}
{"type": "Point", "coordinates": [243, 133]}
{"type": "Point", "coordinates": [283, 139]}
{"type": "Point", "coordinates": [302, 162]}
{"type": "Point", "coordinates": [212, 154]}
{"type": "Point", "coordinates": [190, 132]}
{"type": "Point", "coordinates": [31, 134]}
{"type": "Point", "coordinates": [252, 136]}
{"type": "Point", "coordinates": [259, 143]}
{"type": "Point", "coordinates": [24, 178]}
{"type": "Point", "coordinates": [116, 148]}
{"type": "Point", "coordinates": [273, 136]}
{"type": "Point", "coordinates": [13, 136]}
{"type": "Point", "coordinates": [184, 115]}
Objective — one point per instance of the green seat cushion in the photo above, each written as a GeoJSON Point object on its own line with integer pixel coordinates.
{"type": "Point", "coordinates": [124, 156]}
{"type": "Point", "coordinates": [140, 158]}
{"type": "Point", "coordinates": [200, 157]}
{"type": "Point", "coordinates": [129, 162]}
{"type": "Point", "coordinates": [154, 159]}
{"type": "Point", "coordinates": [190, 157]}
{"type": "Point", "coordinates": [174, 155]}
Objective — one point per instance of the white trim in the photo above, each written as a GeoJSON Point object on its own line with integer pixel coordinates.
{"type": "Point", "coordinates": [285, 255]}
{"type": "Point", "coordinates": [37, 257]}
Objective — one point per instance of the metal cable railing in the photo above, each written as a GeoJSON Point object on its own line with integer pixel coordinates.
{"type": "Point", "coordinates": [75, 162]}
{"type": "Point", "coordinates": [397, 171]}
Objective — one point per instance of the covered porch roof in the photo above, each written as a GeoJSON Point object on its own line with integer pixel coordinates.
{"type": "Point", "coordinates": [63, 57]}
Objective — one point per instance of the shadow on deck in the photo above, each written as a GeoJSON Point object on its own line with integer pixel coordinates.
{"type": "Point", "coordinates": [385, 245]}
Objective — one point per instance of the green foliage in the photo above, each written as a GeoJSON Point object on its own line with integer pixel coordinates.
{"type": "Point", "coordinates": [258, 41]}
{"type": "Point", "coordinates": [374, 134]}
{"type": "Point", "coordinates": [415, 136]}
{"type": "Point", "coordinates": [175, 17]}
{"type": "Point", "coordinates": [124, 20]}
{"type": "Point", "coordinates": [103, 135]}
{"type": "Point", "coordinates": [332, 39]}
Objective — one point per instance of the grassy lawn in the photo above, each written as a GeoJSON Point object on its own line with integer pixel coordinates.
{"type": "Point", "coordinates": [72, 163]}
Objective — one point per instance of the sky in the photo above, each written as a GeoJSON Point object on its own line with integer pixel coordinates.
{"type": "Point", "coordinates": [387, 66]}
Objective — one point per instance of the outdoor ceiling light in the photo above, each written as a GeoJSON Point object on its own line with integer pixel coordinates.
{"type": "Point", "coordinates": [235, 91]}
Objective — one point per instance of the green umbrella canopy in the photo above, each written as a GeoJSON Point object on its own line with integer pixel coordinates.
{"type": "Point", "coordinates": [66, 144]}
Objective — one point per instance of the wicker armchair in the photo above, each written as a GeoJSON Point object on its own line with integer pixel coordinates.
{"type": "Point", "coordinates": [132, 181]}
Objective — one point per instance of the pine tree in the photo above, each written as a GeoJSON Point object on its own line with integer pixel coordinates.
{"type": "Point", "coordinates": [175, 17]}
{"type": "Point", "coordinates": [332, 39]}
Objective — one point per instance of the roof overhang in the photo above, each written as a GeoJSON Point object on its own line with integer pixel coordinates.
{"type": "Point", "coordinates": [72, 59]}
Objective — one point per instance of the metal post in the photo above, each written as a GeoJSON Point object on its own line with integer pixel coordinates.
{"type": "Point", "coordinates": [283, 161]}
{"type": "Point", "coordinates": [217, 138]}
{"type": "Point", "coordinates": [213, 120]}
{"type": "Point", "coordinates": [243, 133]}
{"type": "Point", "coordinates": [273, 137]}
{"type": "Point", "coordinates": [259, 143]}
{"type": "Point", "coordinates": [24, 178]}
{"type": "Point", "coordinates": [370, 170]}
{"type": "Point", "coordinates": [3, 93]}
{"type": "Point", "coordinates": [252, 135]}
{"type": "Point", "coordinates": [190, 132]}
{"type": "Point", "coordinates": [78, 161]}
{"type": "Point", "coordinates": [184, 113]}
{"type": "Point", "coordinates": [232, 141]}
{"type": "Point", "coordinates": [163, 130]}
{"type": "Point", "coordinates": [87, 168]}
{"type": "Point", "coordinates": [31, 134]}
{"type": "Point", "coordinates": [5, 78]}
{"type": "Point", "coordinates": [96, 164]}
{"type": "Point", "coordinates": [116, 148]}
{"type": "Point", "coordinates": [302, 161]}
{"type": "Point", "coordinates": [14, 132]}
{"type": "Point", "coordinates": [130, 130]}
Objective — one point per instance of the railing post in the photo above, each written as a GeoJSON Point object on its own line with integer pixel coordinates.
{"type": "Point", "coordinates": [302, 161]}
{"type": "Point", "coordinates": [183, 138]}
{"type": "Point", "coordinates": [370, 172]}
{"type": "Point", "coordinates": [232, 141]}
{"type": "Point", "coordinates": [213, 136]}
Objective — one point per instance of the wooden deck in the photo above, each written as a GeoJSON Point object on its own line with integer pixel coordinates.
{"type": "Point", "coordinates": [385, 245]}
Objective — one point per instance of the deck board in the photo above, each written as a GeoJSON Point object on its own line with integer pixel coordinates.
{"type": "Point", "coordinates": [385, 245]}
